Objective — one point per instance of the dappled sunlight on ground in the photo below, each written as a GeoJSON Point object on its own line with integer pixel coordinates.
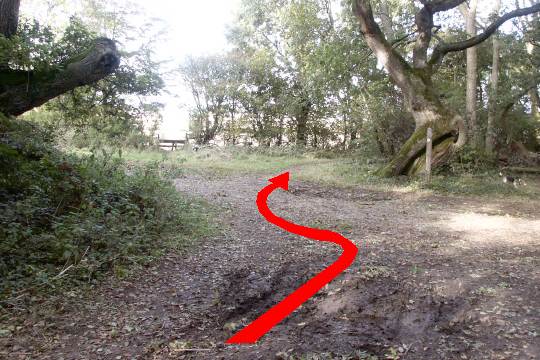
{"type": "Point", "coordinates": [482, 228]}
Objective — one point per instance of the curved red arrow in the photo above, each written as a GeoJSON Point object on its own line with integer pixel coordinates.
{"type": "Point", "coordinates": [251, 333]}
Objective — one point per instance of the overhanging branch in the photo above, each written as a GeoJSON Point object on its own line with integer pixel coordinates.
{"type": "Point", "coordinates": [102, 60]}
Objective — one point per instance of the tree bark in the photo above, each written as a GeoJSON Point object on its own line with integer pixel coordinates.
{"type": "Point", "coordinates": [472, 73]}
{"type": "Point", "coordinates": [535, 103]}
{"type": "Point", "coordinates": [494, 80]}
{"type": "Point", "coordinates": [9, 17]}
{"type": "Point", "coordinates": [34, 89]}
{"type": "Point", "coordinates": [281, 125]}
{"type": "Point", "coordinates": [386, 20]}
{"type": "Point", "coordinates": [21, 91]}
{"type": "Point", "coordinates": [301, 123]}
{"type": "Point", "coordinates": [420, 95]}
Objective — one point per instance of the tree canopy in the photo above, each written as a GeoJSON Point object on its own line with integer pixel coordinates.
{"type": "Point", "coordinates": [315, 73]}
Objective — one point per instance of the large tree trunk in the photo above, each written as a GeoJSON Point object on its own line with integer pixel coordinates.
{"type": "Point", "coordinates": [9, 17]}
{"type": "Point", "coordinates": [448, 132]}
{"type": "Point", "coordinates": [472, 73]}
{"type": "Point", "coordinates": [30, 90]}
{"type": "Point", "coordinates": [494, 80]}
{"type": "Point", "coordinates": [302, 122]}
{"type": "Point", "coordinates": [420, 96]}
{"type": "Point", "coordinates": [21, 91]}
{"type": "Point", "coordinates": [27, 90]}
{"type": "Point", "coordinates": [535, 103]}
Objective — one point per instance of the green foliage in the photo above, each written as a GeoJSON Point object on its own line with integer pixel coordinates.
{"type": "Point", "coordinates": [211, 81]}
{"type": "Point", "coordinates": [469, 159]}
{"type": "Point", "coordinates": [344, 168]}
{"type": "Point", "coordinates": [66, 219]}
{"type": "Point", "coordinates": [33, 48]}
{"type": "Point", "coordinates": [303, 66]}
{"type": "Point", "coordinates": [116, 107]}
{"type": "Point", "coordinates": [223, 161]}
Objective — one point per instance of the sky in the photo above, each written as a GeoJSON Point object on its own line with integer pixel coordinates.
{"type": "Point", "coordinates": [196, 27]}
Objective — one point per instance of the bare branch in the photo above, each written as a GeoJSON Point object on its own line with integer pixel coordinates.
{"type": "Point", "coordinates": [441, 50]}
{"type": "Point", "coordinates": [424, 25]}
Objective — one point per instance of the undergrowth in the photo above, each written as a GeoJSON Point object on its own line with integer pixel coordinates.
{"type": "Point", "coordinates": [467, 175]}
{"type": "Point", "coordinates": [69, 219]}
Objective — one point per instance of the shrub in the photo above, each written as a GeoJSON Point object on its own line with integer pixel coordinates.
{"type": "Point", "coordinates": [66, 219]}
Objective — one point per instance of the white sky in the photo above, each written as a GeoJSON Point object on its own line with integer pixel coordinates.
{"type": "Point", "coordinates": [197, 27]}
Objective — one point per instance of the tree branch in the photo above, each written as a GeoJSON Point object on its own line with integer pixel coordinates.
{"type": "Point", "coordinates": [394, 63]}
{"type": "Point", "coordinates": [100, 61]}
{"type": "Point", "coordinates": [424, 25]}
{"type": "Point", "coordinates": [444, 5]}
{"type": "Point", "coordinates": [441, 50]}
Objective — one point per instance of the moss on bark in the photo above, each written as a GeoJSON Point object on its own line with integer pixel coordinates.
{"type": "Point", "coordinates": [415, 147]}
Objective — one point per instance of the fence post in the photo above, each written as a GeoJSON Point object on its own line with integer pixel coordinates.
{"type": "Point", "coordinates": [429, 153]}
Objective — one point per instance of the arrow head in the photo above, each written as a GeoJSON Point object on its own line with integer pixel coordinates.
{"type": "Point", "coordinates": [281, 181]}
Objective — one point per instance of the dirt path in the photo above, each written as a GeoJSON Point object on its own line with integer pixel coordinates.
{"type": "Point", "coordinates": [437, 278]}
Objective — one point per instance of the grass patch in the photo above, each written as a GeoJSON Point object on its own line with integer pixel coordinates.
{"type": "Point", "coordinates": [218, 161]}
{"type": "Point", "coordinates": [330, 168]}
{"type": "Point", "coordinates": [487, 183]}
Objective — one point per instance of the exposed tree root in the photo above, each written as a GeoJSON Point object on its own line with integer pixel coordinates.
{"type": "Point", "coordinates": [447, 137]}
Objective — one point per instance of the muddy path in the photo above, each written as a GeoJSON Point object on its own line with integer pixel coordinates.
{"type": "Point", "coordinates": [436, 278]}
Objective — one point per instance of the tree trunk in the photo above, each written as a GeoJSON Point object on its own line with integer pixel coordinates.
{"type": "Point", "coordinates": [354, 135]}
{"type": "Point", "coordinates": [9, 17]}
{"type": "Point", "coordinates": [420, 96]}
{"type": "Point", "coordinates": [492, 105]}
{"type": "Point", "coordinates": [386, 20]}
{"type": "Point", "coordinates": [301, 123]}
{"type": "Point", "coordinates": [535, 103]}
{"type": "Point", "coordinates": [410, 160]}
{"type": "Point", "coordinates": [472, 74]}
{"type": "Point", "coordinates": [280, 133]}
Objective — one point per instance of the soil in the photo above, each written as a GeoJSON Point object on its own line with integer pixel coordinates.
{"type": "Point", "coordinates": [437, 277]}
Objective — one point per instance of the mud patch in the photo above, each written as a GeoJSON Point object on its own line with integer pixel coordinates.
{"type": "Point", "coordinates": [249, 293]}
{"type": "Point", "coordinates": [375, 315]}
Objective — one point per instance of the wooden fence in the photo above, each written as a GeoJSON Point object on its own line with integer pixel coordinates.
{"type": "Point", "coordinates": [172, 143]}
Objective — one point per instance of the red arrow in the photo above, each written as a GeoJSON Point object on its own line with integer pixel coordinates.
{"type": "Point", "coordinates": [254, 331]}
